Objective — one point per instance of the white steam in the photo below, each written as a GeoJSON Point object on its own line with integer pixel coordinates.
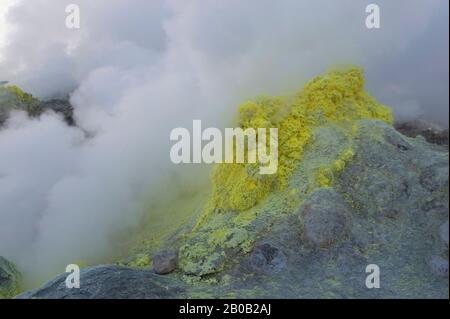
{"type": "Point", "coordinates": [137, 69]}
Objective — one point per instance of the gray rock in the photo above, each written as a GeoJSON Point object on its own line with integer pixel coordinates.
{"type": "Point", "coordinates": [434, 177]}
{"type": "Point", "coordinates": [326, 217]}
{"type": "Point", "coordinates": [110, 282]}
{"type": "Point", "coordinates": [11, 102]}
{"type": "Point", "coordinates": [439, 266]}
{"type": "Point", "coordinates": [431, 132]}
{"type": "Point", "coordinates": [443, 233]}
{"type": "Point", "coordinates": [9, 279]}
{"type": "Point", "coordinates": [267, 258]}
{"type": "Point", "coordinates": [33, 107]}
{"type": "Point", "coordinates": [386, 207]}
{"type": "Point", "coordinates": [165, 262]}
{"type": "Point", "coordinates": [60, 106]}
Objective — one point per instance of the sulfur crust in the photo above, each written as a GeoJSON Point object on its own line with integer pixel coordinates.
{"type": "Point", "coordinates": [242, 202]}
{"type": "Point", "coordinates": [21, 95]}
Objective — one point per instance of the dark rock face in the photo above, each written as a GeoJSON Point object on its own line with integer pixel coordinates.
{"type": "Point", "coordinates": [110, 282]}
{"type": "Point", "coordinates": [388, 206]}
{"type": "Point", "coordinates": [9, 279]}
{"type": "Point", "coordinates": [267, 258]}
{"type": "Point", "coordinates": [439, 266]}
{"type": "Point", "coordinates": [326, 218]}
{"type": "Point", "coordinates": [165, 261]}
{"type": "Point", "coordinates": [62, 107]}
{"type": "Point", "coordinates": [432, 133]}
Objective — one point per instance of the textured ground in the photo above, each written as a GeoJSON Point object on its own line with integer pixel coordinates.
{"type": "Point", "coordinates": [350, 191]}
{"type": "Point", "coordinates": [388, 206]}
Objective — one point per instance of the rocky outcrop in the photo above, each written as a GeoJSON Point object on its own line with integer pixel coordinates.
{"type": "Point", "coordinates": [266, 258]}
{"type": "Point", "coordinates": [431, 132]}
{"type": "Point", "coordinates": [165, 261]}
{"type": "Point", "coordinates": [9, 279]}
{"type": "Point", "coordinates": [387, 206]}
{"type": "Point", "coordinates": [326, 217]}
{"type": "Point", "coordinates": [439, 265]}
{"type": "Point", "coordinates": [110, 282]}
{"type": "Point", "coordinates": [443, 233]}
{"type": "Point", "coordinates": [60, 106]}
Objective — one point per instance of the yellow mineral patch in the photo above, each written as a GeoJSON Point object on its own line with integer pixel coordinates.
{"type": "Point", "coordinates": [21, 95]}
{"type": "Point", "coordinates": [243, 203]}
{"type": "Point", "coordinates": [338, 97]}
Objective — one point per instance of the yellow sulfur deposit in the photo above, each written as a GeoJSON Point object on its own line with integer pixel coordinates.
{"type": "Point", "coordinates": [338, 97]}
{"type": "Point", "coordinates": [316, 136]}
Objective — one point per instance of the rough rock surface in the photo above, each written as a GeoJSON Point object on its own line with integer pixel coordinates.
{"type": "Point", "coordinates": [9, 279]}
{"type": "Point", "coordinates": [326, 217]}
{"type": "Point", "coordinates": [107, 281]}
{"type": "Point", "coordinates": [431, 132]}
{"type": "Point", "coordinates": [390, 200]}
{"type": "Point", "coordinates": [439, 266]}
{"type": "Point", "coordinates": [33, 107]}
{"type": "Point", "coordinates": [267, 258]}
{"type": "Point", "coordinates": [60, 106]}
{"type": "Point", "coordinates": [165, 262]}
{"type": "Point", "coordinates": [443, 233]}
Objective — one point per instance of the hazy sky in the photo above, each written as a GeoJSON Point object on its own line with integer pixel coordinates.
{"type": "Point", "coordinates": [406, 60]}
{"type": "Point", "coordinates": [137, 69]}
{"type": "Point", "coordinates": [3, 9]}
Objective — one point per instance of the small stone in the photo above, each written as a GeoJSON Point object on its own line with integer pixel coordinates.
{"type": "Point", "coordinates": [439, 266]}
{"type": "Point", "coordinates": [325, 217]}
{"type": "Point", "coordinates": [443, 233]}
{"type": "Point", "coordinates": [165, 261]}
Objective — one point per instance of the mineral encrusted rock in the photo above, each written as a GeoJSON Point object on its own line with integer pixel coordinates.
{"type": "Point", "coordinates": [391, 200]}
{"type": "Point", "coordinates": [267, 258]}
{"type": "Point", "coordinates": [11, 101]}
{"type": "Point", "coordinates": [431, 132]}
{"type": "Point", "coordinates": [165, 261]}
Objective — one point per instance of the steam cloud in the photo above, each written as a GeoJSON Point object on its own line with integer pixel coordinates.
{"type": "Point", "coordinates": [135, 70]}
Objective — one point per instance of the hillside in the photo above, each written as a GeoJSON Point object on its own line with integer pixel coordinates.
{"type": "Point", "coordinates": [350, 191]}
